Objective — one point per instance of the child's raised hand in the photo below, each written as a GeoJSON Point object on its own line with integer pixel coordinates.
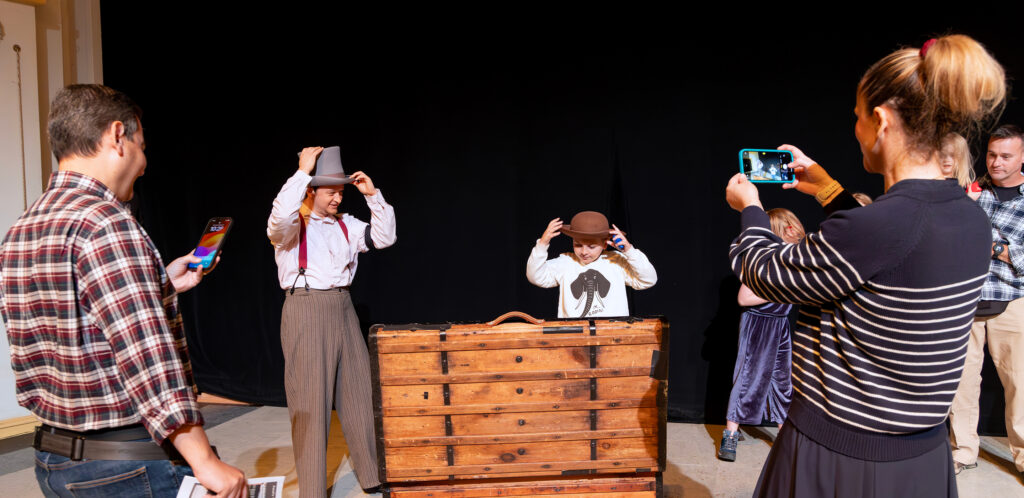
{"type": "Point", "coordinates": [618, 239]}
{"type": "Point", "coordinates": [551, 231]}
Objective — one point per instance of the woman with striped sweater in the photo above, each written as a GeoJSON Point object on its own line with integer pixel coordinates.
{"type": "Point", "coordinates": [888, 290]}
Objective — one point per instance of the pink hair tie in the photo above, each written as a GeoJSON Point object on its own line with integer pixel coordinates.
{"type": "Point", "coordinates": [924, 48]}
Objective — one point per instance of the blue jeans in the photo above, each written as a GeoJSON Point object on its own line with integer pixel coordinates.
{"type": "Point", "coordinates": [61, 477]}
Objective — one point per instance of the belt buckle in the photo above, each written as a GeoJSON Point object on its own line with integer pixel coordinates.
{"type": "Point", "coordinates": [37, 441]}
{"type": "Point", "coordinates": [77, 448]}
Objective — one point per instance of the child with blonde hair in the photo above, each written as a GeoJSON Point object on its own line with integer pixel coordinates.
{"type": "Point", "coordinates": [592, 281]}
{"type": "Point", "coordinates": [761, 377]}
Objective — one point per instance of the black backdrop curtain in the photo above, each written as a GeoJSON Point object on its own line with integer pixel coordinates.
{"type": "Point", "coordinates": [478, 137]}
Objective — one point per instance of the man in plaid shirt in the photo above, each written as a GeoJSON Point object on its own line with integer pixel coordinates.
{"type": "Point", "coordinates": [97, 344]}
{"type": "Point", "coordinates": [1000, 316]}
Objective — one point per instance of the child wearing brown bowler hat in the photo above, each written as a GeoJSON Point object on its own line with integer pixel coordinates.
{"type": "Point", "coordinates": [592, 282]}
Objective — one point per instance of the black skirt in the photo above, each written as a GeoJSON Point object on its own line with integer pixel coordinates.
{"type": "Point", "coordinates": [799, 467]}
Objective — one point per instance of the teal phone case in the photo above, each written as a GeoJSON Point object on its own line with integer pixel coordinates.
{"type": "Point", "coordinates": [743, 151]}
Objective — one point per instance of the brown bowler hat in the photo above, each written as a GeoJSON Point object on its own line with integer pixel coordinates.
{"type": "Point", "coordinates": [587, 225]}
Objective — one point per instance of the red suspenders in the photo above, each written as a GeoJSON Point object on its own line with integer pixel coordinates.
{"type": "Point", "coordinates": [302, 240]}
{"type": "Point", "coordinates": [302, 248]}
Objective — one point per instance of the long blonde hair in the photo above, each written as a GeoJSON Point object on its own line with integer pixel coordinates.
{"type": "Point", "coordinates": [781, 219]}
{"type": "Point", "coordinates": [963, 167]}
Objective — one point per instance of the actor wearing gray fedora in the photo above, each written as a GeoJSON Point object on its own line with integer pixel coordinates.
{"type": "Point", "coordinates": [326, 360]}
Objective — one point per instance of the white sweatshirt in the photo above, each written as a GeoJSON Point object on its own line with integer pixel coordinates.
{"type": "Point", "coordinates": [596, 289]}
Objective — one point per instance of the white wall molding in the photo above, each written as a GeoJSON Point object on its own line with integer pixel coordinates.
{"type": "Point", "coordinates": [60, 44]}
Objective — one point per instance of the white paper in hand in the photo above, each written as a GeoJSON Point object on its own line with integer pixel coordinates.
{"type": "Point", "coordinates": [263, 487]}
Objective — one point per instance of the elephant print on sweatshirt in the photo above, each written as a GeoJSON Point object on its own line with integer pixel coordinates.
{"type": "Point", "coordinates": [591, 282]}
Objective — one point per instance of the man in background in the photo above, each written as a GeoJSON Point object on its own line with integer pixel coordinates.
{"type": "Point", "coordinates": [999, 319]}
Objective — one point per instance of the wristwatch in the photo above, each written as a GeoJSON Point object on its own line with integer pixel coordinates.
{"type": "Point", "coordinates": [997, 249]}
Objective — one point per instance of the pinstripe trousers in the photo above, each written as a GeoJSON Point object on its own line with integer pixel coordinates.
{"type": "Point", "coordinates": [326, 360]}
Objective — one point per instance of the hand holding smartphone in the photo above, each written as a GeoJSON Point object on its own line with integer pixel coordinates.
{"type": "Point", "coordinates": [767, 165]}
{"type": "Point", "coordinates": [211, 242]}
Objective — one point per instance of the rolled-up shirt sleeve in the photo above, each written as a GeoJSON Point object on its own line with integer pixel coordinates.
{"type": "Point", "coordinates": [122, 285]}
{"type": "Point", "coordinates": [383, 229]}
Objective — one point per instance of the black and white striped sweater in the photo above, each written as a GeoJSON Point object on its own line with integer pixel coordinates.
{"type": "Point", "coordinates": [888, 293]}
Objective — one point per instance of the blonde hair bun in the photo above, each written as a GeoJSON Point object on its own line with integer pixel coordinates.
{"type": "Point", "coordinates": [952, 85]}
{"type": "Point", "coordinates": [963, 77]}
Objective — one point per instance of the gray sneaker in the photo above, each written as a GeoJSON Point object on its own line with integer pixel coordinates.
{"type": "Point", "coordinates": [727, 449]}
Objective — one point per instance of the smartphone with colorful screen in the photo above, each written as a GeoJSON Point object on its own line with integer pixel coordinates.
{"type": "Point", "coordinates": [212, 240]}
{"type": "Point", "coordinates": [767, 165]}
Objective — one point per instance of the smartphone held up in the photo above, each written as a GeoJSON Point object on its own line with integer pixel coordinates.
{"type": "Point", "coordinates": [767, 165]}
{"type": "Point", "coordinates": [211, 242]}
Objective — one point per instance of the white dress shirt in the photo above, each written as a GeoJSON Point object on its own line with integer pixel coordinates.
{"type": "Point", "coordinates": [331, 259]}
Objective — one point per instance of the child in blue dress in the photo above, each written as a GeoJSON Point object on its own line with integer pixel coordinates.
{"type": "Point", "coordinates": [763, 362]}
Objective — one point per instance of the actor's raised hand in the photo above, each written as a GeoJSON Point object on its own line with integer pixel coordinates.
{"type": "Point", "coordinates": [551, 231]}
{"type": "Point", "coordinates": [618, 239]}
{"type": "Point", "coordinates": [740, 193]}
{"type": "Point", "coordinates": [810, 176]}
{"type": "Point", "coordinates": [363, 183]}
{"type": "Point", "coordinates": [307, 159]}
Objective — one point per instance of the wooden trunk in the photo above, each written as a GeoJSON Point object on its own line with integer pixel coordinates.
{"type": "Point", "coordinates": [616, 486]}
{"type": "Point", "coordinates": [560, 404]}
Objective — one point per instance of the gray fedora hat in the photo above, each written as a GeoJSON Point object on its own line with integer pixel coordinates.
{"type": "Point", "coordinates": [329, 170]}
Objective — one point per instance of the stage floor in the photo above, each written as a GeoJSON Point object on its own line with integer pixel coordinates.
{"type": "Point", "coordinates": [258, 441]}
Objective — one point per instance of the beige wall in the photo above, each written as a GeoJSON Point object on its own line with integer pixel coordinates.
{"type": "Point", "coordinates": [60, 45]}
{"type": "Point", "coordinates": [68, 37]}
{"type": "Point", "coordinates": [20, 178]}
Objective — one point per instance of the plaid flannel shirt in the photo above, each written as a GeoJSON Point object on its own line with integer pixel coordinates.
{"type": "Point", "coordinates": [1005, 281]}
{"type": "Point", "coordinates": [92, 317]}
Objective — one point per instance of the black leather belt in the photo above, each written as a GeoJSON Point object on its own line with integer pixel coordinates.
{"type": "Point", "coordinates": [291, 291]}
{"type": "Point", "coordinates": [111, 444]}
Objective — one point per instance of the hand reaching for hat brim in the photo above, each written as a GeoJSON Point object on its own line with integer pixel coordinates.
{"type": "Point", "coordinates": [363, 183]}
{"type": "Point", "coordinates": [618, 239]}
{"type": "Point", "coordinates": [552, 231]}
